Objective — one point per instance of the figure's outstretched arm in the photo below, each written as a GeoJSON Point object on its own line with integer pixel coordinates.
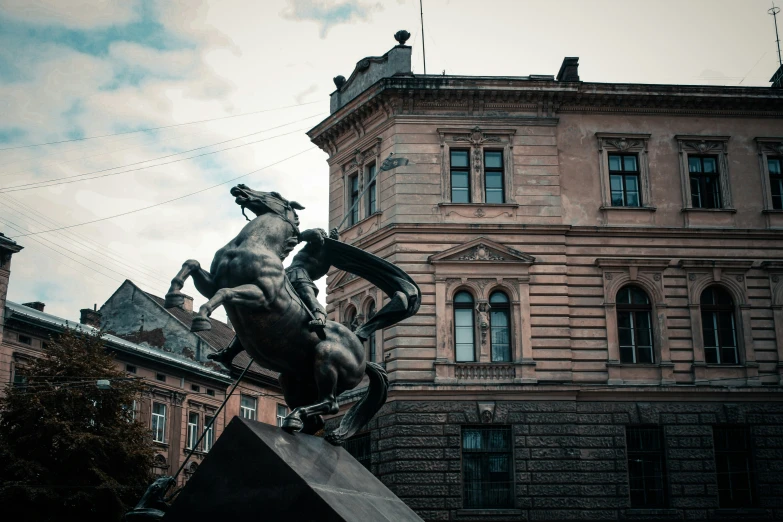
{"type": "Point", "coordinates": [314, 235]}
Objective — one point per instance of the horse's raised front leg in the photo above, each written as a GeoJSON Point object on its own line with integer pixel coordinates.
{"type": "Point", "coordinates": [249, 296]}
{"type": "Point", "coordinates": [201, 278]}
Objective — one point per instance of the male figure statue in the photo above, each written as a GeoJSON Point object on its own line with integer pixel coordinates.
{"type": "Point", "coordinates": [309, 264]}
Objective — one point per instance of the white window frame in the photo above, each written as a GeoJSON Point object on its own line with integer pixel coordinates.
{"type": "Point", "coordinates": [209, 438]}
{"type": "Point", "coordinates": [193, 433]}
{"type": "Point", "coordinates": [246, 411]}
{"type": "Point", "coordinates": [278, 416]}
{"type": "Point", "coordinates": [159, 423]}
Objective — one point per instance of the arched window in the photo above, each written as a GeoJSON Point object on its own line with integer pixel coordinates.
{"type": "Point", "coordinates": [371, 340]}
{"type": "Point", "coordinates": [500, 327]}
{"type": "Point", "coordinates": [350, 318]}
{"type": "Point", "coordinates": [463, 327]}
{"type": "Point", "coordinates": [634, 325]}
{"type": "Point", "coordinates": [718, 326]}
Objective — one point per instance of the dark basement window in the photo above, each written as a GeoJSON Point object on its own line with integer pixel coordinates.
{"type": "Point", "coordinates": [160, 377]}
{"type": "Point", "coordinates": [130, 368]}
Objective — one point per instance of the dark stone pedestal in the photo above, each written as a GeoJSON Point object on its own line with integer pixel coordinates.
{"type": "Point", "coordinates": [256, 472]}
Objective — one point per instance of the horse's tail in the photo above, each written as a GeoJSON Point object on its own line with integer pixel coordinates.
{"type": "Point", "coordinates": [363, 411]}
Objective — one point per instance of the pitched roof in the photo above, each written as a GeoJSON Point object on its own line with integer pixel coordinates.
{"type": "Point", "coordinates": [219, 337]}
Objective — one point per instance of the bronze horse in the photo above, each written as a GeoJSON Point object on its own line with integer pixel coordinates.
{"type": "Point", "coordinates": [271, 322]}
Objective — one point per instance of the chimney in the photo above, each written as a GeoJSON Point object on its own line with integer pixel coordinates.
{"type": "Point", "coordinates": [187, 305]}
{"type": "Point", "coordinates": [91, 317]}
{"type": "Point", "coordinates": [569, 70]}
{"type": "Point", "coordinates": [35, 305]}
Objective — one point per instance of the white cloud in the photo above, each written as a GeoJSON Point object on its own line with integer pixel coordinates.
{"type": "Point", "coordinates": [328, 14]}
{"type": "Point", "coordinates": [73, 14]}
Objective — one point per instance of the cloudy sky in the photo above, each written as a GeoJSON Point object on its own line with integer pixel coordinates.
{"type": "Point", "coordinates": [230, 88]}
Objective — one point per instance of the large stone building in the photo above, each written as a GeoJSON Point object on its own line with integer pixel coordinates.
{"type": "Point", "coordinates": [184, 389]}
{"type": "Point", "coordinates": [601, 332]}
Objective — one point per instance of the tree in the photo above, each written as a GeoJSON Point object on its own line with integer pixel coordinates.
{"type": "Point", "coordinates": [70, 449]}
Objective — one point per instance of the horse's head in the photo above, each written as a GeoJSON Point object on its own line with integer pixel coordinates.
{"type": "Point", "coordinates": [262, 202]}
{"type": "Point", "coordinates": [156, 492]}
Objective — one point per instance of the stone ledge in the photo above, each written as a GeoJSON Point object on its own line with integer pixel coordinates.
{"type": "Point", "coordinates": [647, 209]}
{"type": "Point", "coordinates": [652, 514]}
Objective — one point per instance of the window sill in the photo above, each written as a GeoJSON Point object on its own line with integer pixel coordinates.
{"type": "Point", "coordinates": [772, 211]}
{"type": "Point", "coordinates": [644, 209]}
{"type": "Point", "coordinates": [358, 227]}
{"type": "Point", "coordinates": [164, 445]}
{"type": "Point", "coordinates": [487, 205]}
{"type": "Point", "coordinates": [197, 452]}
{"type": "Point", "coordinates": [718, 210]}
{"type": "Point", "coordinates": [618, 364]}
{"type": "Point", "coordinates": [652, 514]}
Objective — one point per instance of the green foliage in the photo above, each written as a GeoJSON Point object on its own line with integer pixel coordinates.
{"type": "Point", "coordinates": [69, 450]}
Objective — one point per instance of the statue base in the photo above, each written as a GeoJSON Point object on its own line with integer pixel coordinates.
{"type": "Point", "coordinates": [260, 472]}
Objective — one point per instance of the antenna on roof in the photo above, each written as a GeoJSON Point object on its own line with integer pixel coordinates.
{"type": "Point", "coordinates": [424, 54]}
{"type": "Point", "coordinates": [777, 79]}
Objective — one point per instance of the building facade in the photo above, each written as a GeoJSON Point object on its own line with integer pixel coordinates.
{"type": "Point", "coordinates": [184, 390]}
{"type": "Point", "coordinates": [601, 329]}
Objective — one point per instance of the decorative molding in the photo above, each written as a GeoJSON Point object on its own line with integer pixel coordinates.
{"type": "Point", "coordinates": [481, 253]}
{"type": "Point", "coordinates": [476, 137]}
{"type": "Point", "coordinates": [481, 249]}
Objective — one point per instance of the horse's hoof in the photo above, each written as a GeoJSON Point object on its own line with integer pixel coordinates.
{"type": "Point", "coordinates": [292, 424]}
{"type": "Point", "coordinates": [174, 300]}
{"type": "Point", "coordinates": [200, 324]}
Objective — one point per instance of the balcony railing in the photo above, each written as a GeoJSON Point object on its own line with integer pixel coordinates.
{"type": "Point", "coordinates": [484, 371]}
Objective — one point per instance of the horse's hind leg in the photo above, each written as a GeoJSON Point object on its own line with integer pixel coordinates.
{"type": "Point", "coordinates": [326, 380]}
{"type": "Point", "coordinates": [201, 278]}
{"type": "Point", "coordinates": [245, 295]}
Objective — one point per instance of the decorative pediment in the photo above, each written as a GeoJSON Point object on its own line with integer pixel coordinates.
{"type": "Point", "coordinates": [770, 145]}
{"type": "Point", "coordinates": [703, 144]}
{"type": "Point", "coordinates": [342, 278]}
{"type": "Point", "coordinates": [481, 250]}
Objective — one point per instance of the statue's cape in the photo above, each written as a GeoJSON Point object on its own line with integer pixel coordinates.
{"type": "Point", "coordinates": [382, 274]}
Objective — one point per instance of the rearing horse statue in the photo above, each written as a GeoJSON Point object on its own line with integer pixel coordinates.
{"type": "Point", "coordinates": [271, 322]}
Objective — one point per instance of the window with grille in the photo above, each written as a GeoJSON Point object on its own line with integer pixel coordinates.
{"type": "Point", "coordinates": [372, 191]}
{"type": "Point", "coordinates": [718, 326]}
{"type": "Point", "coordinates": [646, 466]}
{"type": "Point", "coordinates": [463, 327]}
{"type": "Point", "coordinates": [705, 181]}
{"type": "Point", "coordinates": [353, 199]}
{"type": "Point", "coordinates": [493, 176]}
{"type": "Point", "coordinates": [158, 422]}
{"type": "Point", "coordinates": [624, 180]}
{"type": "Point", "coordinates": [209, 428]}
{"type": "Point", "coordinates": [359, 447]}
{"type": "Point", "coordinates": [500, 327]}
{"type": "Point", "coordinates": [775, 182]}
{"type": "Point", "coordinates": [282, 413]}
{"type": "Point", "coordinates": [487, 467]}
{"type": "Point", "coordinates": [193, 433]}
{"type": "Point", "coordinates": [460, 176]}
{"type": "Point", "coordinates": [248, 406]}
{"type": "Point", "coordinates": [733, 466]}
{"type": "Point", "coordinates": [634, 327]}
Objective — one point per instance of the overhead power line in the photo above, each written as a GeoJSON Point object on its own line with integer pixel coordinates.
{"type": "Point", "coordinates": [158, 128]}
{"type": "Point", "coordinates": [59, 181]}
{"type": "Point", "coordinates": [166, 201]}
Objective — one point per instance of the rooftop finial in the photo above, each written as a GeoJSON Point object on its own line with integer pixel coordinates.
{"type": "Point", "coordinates": [402, 36]}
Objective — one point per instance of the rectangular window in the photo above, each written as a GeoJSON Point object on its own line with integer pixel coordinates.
{"type": "Point", "coordinates": [635, 333]}
{"type": "Point", "coordinates": [487, 472]}
{"type": "Point", "coordinates": [209, 438]}
{"type": "Point", "coordinates": [192, 429]}
{"type": "Point", "coordinates": [25, 339]}
{"type": "Point", "coordinates": [720, 337]}
{"type": "Point", "coordinates": [130, 368]}
{"type": "Point", "coordinates": [158, 422]}
{"type": "Point", "coordinates": [733, 466]}
{"type": "Point", "coordinates": [161, 377]}
{"type": "Point", "coordinates": [372, 191]}
{"type": "Point", "coordinates": [463, 331]}
{"type": "Point", "coordinates": [20, 381]}
{"type": "Point", "coordinates": [195, 388]}
{"type": "Point", "coordinates": [353, 199]}
{"type": "Point", "coordinates": [359, 447]}
{"type": "Point", "coordinates": [493, 176]}
{"type": "Point", "coordinates": [775, 182]}
{"type": "Point", "coordinates": [705, 181]}
{"type": "Point", "coordinates": [210, 392]}
{"type": "Point", "coordinates": [624, 180]}
{"type": "Point", "coordinates": [247, 406]}
{"type": "Point", "coordinates": [646, 466]}
{"type": "Point", "coordinates": [460, 177]}
{"type": "Point", "coordinates": [282, 412]}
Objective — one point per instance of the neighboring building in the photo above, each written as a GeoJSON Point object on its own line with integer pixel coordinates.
{"type": "Point", "coordinates": [184, 388]}
{"type": "Point", "coordinates": [601, 329]}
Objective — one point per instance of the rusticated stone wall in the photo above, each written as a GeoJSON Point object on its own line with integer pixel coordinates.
{"type": "Point", "coordinates": [570, 458]}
